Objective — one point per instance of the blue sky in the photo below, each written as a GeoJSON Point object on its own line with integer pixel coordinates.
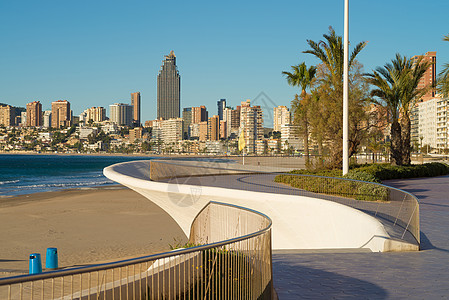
{"type": "Point", "coordinates": [95, 53]}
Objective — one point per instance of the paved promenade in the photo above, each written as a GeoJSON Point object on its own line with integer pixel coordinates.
{"type": "Point", "coordinates": [350, 275]}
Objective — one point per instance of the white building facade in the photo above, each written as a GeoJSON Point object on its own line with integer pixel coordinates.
{"type": "Point", "coordinates": [281, 116]}
{"type": "Point", "coordinates": [427, 117]}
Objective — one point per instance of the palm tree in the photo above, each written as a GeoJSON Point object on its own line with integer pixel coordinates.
{"type": "Point", "coordinates": [413, 71]}
{"type": "Point", "coordinates": [443, 77]}
{"type": "Point", "coordinates": [302, 77]}
{"type": "Point", "coordinates": [331, 52]}
{"type": "Point", "coordinates": [397, 88]}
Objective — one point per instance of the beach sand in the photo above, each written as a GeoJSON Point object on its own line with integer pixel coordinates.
{"type": "Point", "coordinates": [86, 225]}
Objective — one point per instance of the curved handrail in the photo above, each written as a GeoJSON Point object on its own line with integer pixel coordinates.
{"type": "Point", "coordinates": [142, 259]}
{"type": "Point", "coordinates": [410, 223]}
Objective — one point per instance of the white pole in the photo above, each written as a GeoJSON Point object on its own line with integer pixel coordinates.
{"type": "Point", "coordinates": [345, 92]}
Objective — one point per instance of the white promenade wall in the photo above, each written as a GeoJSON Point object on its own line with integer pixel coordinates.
{"type": "Point", "coordinates": [299, 222]}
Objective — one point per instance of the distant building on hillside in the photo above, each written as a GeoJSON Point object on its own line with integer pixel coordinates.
{"type": "Point", "coordinates": [60, 114]}
{"type": "Point", "coordinates": [34, 114]}
{"type": "Point", "coordinates": [121, 114]}
{"type": "Point", "coordinates": [46, 119]}
{"type": "Point", "coordinates": [7, 115]}
{"type": "Point", "coordinates": [135, 134]}
{"type": "Point", "coordinates": [96, 114]}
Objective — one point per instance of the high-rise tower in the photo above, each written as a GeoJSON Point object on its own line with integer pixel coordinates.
{"type": "Point", "coordinates": [34, 114]}
{"type": "Point", "coordinates": [430, 76]}
{"type": "Point", "coordinates": [221, 104]}
{"type": "Point", "coordinates": [60, 114]}
{"type": "Point", "coordinates": [135, 103]}
{"type": "Point", "coordinates": [168, 89]}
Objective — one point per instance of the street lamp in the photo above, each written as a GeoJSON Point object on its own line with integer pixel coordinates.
{"type": "Point", "coordinates": [345, 91]}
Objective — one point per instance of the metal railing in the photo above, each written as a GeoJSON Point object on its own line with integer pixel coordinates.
{"type": "Point", "coordinates": [235, 263]}
{"type": "Point", "coordinates": [396, 209]}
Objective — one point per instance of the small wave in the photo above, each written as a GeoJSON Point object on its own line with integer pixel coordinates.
{"type": "Point", "coordinates": [62, 185]}
{"type": "Point", "coordinates": [9, 181]}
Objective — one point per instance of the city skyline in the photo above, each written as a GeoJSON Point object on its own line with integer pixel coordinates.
{"type": "Point", "coordinates": [91, 61]}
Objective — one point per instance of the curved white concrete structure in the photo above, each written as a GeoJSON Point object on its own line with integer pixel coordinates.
{"type": "Point", "coordinates": [298, 222]}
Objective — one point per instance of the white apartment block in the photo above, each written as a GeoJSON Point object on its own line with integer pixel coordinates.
{"type": "Point", "coordinates": [171, 130]}
{"type": "Point", "coordinates": [47, 119]}
{"type": "Point", "coordinates": [84, 132]}
{"type": "Point", "coordinates": [291, 138]}
{"type": "Point", "coordinates": [427, 128]}
{"type": "Point", "coordinates": [96, 114]}
{"type": "Point", "coordinates": [251, 121]}
{"type": "Point", "coordinates": [232, 118]}
{"type": "Point", "coordinates": [442, 123]}
{"type": "Point", "coordinates": [281, 116]}
{"type": "Point", "coordinates": [121, 114]}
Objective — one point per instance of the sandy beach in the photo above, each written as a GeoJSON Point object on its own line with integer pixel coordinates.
{"type": "Point", "coordinates": [86, 225]}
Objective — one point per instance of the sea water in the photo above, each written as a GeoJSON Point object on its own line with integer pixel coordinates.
{"type": "Point", "coordinates": [26, 174]}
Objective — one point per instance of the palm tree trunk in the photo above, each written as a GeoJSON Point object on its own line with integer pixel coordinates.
{"type": "Point", "coordinates": [306, 143]}
{"type": "Point", "coordinates": [406, 127]}
{"type": "Point", "coordinates": [396, 143]}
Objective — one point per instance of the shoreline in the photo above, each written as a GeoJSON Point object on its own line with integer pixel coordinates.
{"type": "Point", "coordinates": [87, 226]}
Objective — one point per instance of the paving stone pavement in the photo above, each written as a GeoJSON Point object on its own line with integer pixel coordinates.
{"type": "Point", "coordinates": [401, 275]}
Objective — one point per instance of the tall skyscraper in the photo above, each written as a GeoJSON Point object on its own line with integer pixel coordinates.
{"type": "Point", "coordinates": [221, 104]}
{"type": "Point", "coordinates": [60, 114]}
{"type": "Point", "coordinates": [135, 103]}
{"type": "Point", "coordinates": [121, 114]}
{"type": "Point", "coordinates": [34, 114]}
{"type": "Point", "coordinates": [168, 89]}
{"type": "Point", "coordinates": [429, 78]}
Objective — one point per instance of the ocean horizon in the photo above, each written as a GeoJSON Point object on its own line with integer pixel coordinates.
{"type": "Point", "coordinates": [22, 174]}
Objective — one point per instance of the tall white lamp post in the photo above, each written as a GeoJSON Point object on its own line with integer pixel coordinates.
{"type": "Point", "coordinates": [345, 92]}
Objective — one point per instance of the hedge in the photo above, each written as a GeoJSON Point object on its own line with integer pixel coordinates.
{"type": "Point", "coordinates": [366, 173]}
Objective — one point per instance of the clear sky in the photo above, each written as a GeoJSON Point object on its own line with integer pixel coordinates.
{"type": "Point", "coordinates": [95, 53]}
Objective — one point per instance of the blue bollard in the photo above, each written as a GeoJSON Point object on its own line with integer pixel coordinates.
{"type": "Point", "coordinates": [51, 260]}
{"type": "Point", "coordinates": [35, 263]}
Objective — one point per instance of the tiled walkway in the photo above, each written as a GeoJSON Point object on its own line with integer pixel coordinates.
{"type": "Point", "coordinates": [406, 275]}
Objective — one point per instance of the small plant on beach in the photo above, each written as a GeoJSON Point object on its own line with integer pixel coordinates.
{"type": "Point", "coordinates": [179, 244]}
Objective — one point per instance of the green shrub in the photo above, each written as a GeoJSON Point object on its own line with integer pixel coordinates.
{"type": "Point", "coordinates": [386, 171]}
{"type": "Point", "coordinates": [358, 190]}
{"type": "Point", "coordinates": [368, 173]}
